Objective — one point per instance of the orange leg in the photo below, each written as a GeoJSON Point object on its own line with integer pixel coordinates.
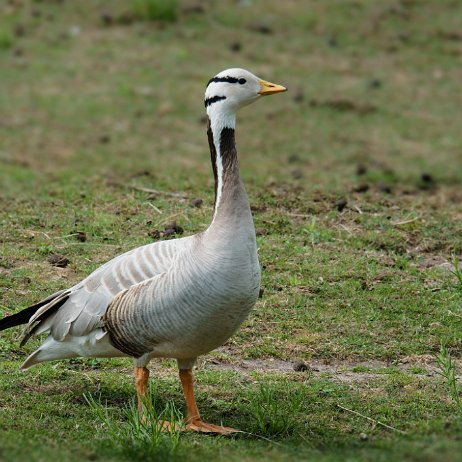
{"type": "Point", "coordinates": [141, 383]}
{"type": "Point", "coordinates": [193, 419]}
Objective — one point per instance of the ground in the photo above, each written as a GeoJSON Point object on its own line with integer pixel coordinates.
{"type": "Point", "coordinates": [354, 180]}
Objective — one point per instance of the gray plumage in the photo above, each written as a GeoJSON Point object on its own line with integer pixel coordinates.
{"type": "Point", "coordinates": [179, 298]}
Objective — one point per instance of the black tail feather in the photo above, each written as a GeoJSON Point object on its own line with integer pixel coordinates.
{"type": "Point", "coordinates": [32, 329]}
{"type": "Point", "coordinates": [23, 316]}
{"type": "Point", "coordinates": [19, 318]}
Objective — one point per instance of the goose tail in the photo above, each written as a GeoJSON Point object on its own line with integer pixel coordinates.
{"type": "Point", "coordinates": [25, 316]}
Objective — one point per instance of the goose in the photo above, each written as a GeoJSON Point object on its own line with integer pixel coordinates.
{"type": "Point", "coordinates": [179, 298]}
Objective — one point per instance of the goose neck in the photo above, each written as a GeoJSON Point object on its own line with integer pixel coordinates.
{"type": "Point", "coordinates": [220, 131]}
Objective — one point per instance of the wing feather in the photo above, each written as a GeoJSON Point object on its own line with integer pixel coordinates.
{"type": "Point", "coordinates": [87, 302]}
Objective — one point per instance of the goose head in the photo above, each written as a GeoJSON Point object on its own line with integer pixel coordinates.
{"type": "Point", "coordinates": [234, 88]}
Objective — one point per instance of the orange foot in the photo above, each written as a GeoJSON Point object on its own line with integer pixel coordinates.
{"type": "Point", "coordinates": [165, 425]}
{"type": "Point", "coordinates": [198, 425]}
{"type": "Point", "coordinates": [169, 427]}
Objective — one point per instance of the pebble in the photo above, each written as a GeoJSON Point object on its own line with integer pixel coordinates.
{"type": "Point", "coordinates": [300, 367]}
{"type": "Point", "coordinates": [385, 188]}
{"type": "Point", "coordinates": [81, 236]}
{"type": "Point", "coordinates": [58, 260]}
{"type": "Point", "coordinates": [361, 169]}
{"type": "Point", "coordinates": [173, 228]}
{"type": "Point", "coordinates": [235, 47]}
{"type": "Point", "coordinates": [362, 188]}
{"type": "Point", "coordinates": [197, 203]}
{"type": "Point", "coordinates": [340, 204]}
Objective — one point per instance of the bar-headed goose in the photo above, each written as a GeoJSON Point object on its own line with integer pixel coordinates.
{"type": "Point", "coordinates": [172, 299]}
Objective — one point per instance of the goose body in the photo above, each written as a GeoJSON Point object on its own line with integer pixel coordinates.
{"type": "Point", "coordinates": [177, 299]}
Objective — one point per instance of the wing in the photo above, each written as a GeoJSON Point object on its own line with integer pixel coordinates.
{"type": "Point", "coordinates": [78, 311]}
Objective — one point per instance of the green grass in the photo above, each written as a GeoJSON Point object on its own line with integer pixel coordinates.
{"type": "Point", "coordinates": [457, 271]}
{"type": "Point", "coordinates": [156, 10]}
{"type": "Point", "coordinates": [98, 100]}
{"type": "Point", "coordinates": [140, 436]}
{"type": "Point", "coordinates": [275, 409]}
{"type": "Point", "coordinates": [448, 371]}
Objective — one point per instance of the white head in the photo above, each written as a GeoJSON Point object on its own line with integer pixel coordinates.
{"type": "Point", "coordinates": [232, 89]}
{"type": "Point", "coordinates": [227, 92]}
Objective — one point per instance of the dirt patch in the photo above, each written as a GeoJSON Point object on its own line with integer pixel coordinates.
{"type": "Point", "coordinates": [343, 371]}
{"type": "Point", "coordinates": [435, 261]}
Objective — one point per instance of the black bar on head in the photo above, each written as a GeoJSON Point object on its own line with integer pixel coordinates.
{"type": "Point", "coordinates": [223, 79]}
{"type": "Point", "coordinates": [210, 101]}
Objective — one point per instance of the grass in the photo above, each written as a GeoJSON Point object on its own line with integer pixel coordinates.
{"type": "Point", "coordinates": [98, 102]}
{"type": "Point", "coordinates": [448, 371]}
{"type": "Point", "coordinates": [456, 271]}
{"type": "Point", "coordinates": [6, 39]}
{"type": "Point", "coordinates": [156, 10]}
{"type": "Point", "coordinates": [275, 409]}
{"type": "Point", "coordinates": [140, 436]}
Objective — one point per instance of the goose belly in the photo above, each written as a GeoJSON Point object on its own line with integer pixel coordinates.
{"type": "Point", "coordinates": [192, 308]}
{"type": "Point", "coordinates": [188, 311]}
{"type": "Point", "coordinates": [204, 331]}
{"type": "Point", "coordinates": [210, 315]}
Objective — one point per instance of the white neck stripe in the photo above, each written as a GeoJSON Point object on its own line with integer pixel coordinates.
{"type": "Point", "coordinates": [219, 119]}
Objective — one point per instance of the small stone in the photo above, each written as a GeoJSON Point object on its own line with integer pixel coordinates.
{"type": "Point", "coordinates": [173, 228]}
{"type": "Point", "coordinates": [404, 36]}
{"type": "Point", "coordinates": [332, 42]}
{"type": "Point", "coordinates": [155, 234]}
{"type": "Point", "coordinates": [340, 204]}
{"type": "Point", "coordinates": [107, 19]}
{"type": "Point", "coordinates": [197, 203]}
{"type": "Point", "coordinates": [385, 188]}
{"type": "Point", "coordinates": [296, 173]}
{"type": "Point", "coordinates": [427, 178]}
{"type": "Point", "coordinates": [58, 260]}
{"type": "Point", "coordinates": [363, 437]}
{"type": "Point", "coordinates": [361, 169]}
{"type": "Point", "coordinates": [81, 236]}
{"type": "Point", "coordinates": [258, 208]}
{"type": "Point", "coordinates": [300, 367]}
{"type": "Point", "coordinates": [427, 182]}
{"type": "Point", "coordinates": [235, 47]}
{"type": "Point", "coordinates": [261, 232]}
{"type": "Point", "coordinates": [261, 28]}
{"type": "Point", "coordinates": [362, 188]}
{"type": "Point", "coordinates": [375, 84]}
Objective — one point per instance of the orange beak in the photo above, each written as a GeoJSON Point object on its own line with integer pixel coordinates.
{"type": "Point", "coordinates": [268, 88]}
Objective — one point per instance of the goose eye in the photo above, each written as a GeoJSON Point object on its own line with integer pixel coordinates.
{"type": "Point", "coordinates": [242, 81]}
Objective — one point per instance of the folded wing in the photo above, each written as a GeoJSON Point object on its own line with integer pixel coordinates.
{"type": "Point", "coordinates": [78, 311]}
